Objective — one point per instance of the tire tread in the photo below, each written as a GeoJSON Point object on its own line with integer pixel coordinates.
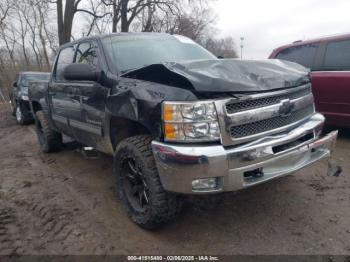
{"type": "Point", "coordinates": [53, 138]}
{"type": "Point", "coordinates": [165, 206]}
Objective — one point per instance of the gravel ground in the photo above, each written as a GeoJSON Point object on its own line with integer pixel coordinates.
{"type": "Point", "coordinates": [64, 204]}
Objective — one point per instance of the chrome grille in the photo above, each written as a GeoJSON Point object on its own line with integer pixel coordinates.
{"type": "Point", "coordinates": [258, 115]}
{"type": "Point", "coordinates": [270, 124]}
{"type": "Point", "coordinates": [235, 107]}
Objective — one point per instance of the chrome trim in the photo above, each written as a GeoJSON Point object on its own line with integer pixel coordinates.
{"type": "Point", "coordinates": [179, 165]}
{"type": "Point", "coordinates": [276, 93]}
{"type": "Point", "coordinates": [254, 115]}
{"type": "Point", "coordinates": [226, 121]}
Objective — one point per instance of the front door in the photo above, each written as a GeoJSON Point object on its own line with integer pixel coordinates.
{"type": "Point", "coordinates": [63, 95]}
{"type": "Point", "coordinates": [89, 129]}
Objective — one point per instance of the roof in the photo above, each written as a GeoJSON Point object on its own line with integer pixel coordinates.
{"type": "Point", "coordinates": [115, 34]}
{"type": "Point", "coordinates": [312, 41]}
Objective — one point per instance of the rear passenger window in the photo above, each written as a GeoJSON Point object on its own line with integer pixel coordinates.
{"type": "Point", "coordinates": [337, 57]}
{"type": "Point", "coordinates": [65, 58]}
{"type": "Point", "coordinates": [303, 55]}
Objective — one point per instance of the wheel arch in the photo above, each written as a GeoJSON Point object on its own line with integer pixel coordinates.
{"type": "Point", "coordinates": [35, 107]}
{"type": "Point", "coordinates": [121, 128]}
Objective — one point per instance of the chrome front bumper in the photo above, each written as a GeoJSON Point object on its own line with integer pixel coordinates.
{"type": "Point", "coordinates": [274, 156]}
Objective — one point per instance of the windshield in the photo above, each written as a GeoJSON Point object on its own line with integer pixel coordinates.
{"type": "Point", "coordinates": [132, 52]}
{"type": "Point", "coordinates": [27, 78]}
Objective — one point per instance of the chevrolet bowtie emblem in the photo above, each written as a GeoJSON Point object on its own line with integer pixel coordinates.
{"type": "Point", "coordinates": [286, 107]}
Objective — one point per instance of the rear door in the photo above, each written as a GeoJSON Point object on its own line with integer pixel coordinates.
{"type": "Point", "coordinates": [331, 83]}
{"type": "Point", "coordinates": [63, 95]}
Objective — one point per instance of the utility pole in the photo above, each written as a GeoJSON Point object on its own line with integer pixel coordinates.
{"type": "Point", "coordinates": [242, 39]}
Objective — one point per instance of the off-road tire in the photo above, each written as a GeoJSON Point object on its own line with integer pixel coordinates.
{"type": "Point", "coordinates": [49, 140]}
{"type": "Point", "coordinates": [162, 206]}
{"type": "Point", "coordinates": [22, 114]}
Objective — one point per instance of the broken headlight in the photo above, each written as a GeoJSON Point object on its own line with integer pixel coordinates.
{"type": "Point", "coordinates": [190, 121]}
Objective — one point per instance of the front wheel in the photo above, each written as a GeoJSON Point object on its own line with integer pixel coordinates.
{"type": "Point", "coordinates": [139, 185]}
{"type": "Point", "coordinates": [22, 113]}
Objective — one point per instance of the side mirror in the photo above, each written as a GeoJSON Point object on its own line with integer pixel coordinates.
{"type": "Point", "coordinates": [14, 84]}
{"type": "Point", "coordinates": [220, 57]}
{"type": "Point", "coordinates": [81, 72]}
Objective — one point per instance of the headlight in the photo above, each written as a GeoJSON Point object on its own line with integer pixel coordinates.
{"type": "Point", "coordinates": [190, 121]}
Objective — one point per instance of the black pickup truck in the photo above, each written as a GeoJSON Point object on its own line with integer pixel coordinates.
{"type": "Point", "coordinates": [177, 120]}
{"type": "Point", "coordinates": [19, 95]}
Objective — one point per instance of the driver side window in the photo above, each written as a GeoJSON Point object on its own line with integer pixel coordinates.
{"type": "Point", "coordinates": [87, 53]}
{"type": "Point", "coordinates": [65, 58]}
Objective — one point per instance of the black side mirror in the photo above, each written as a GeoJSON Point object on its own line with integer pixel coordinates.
{"type": "Point", "coordinates": [220, 57]}
{"type": "Point", "coordinates": [14, 84]}
{"type": "Point", "coordinates": [81, 72]}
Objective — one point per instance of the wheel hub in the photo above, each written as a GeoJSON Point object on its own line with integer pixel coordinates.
{"type": "Point", "coordinates": [135, 186]}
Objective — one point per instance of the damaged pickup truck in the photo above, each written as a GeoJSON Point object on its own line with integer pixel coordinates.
{"type": "Point", "coordinates": [177, 119]}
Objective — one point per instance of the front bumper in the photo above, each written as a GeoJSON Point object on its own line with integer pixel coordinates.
{"type": "Point", "coordinates": [272, 156]}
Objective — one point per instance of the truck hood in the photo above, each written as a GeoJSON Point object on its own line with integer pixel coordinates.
{"type": "Point", "coordinates": [225, 75]}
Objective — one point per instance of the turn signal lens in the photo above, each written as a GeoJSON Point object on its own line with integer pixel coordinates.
{"type": "Point", "coordinates": [168, 112]}
{"type": "Point", "coordinates": [170, 131]}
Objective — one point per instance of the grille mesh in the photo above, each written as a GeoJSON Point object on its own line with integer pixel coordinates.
{"type": "Point", "coordinates": [233, 107]}
{"type": "Point", "coordinates": [270, 124]}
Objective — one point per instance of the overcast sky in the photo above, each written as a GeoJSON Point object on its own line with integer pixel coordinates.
{"type": "Point", "coordinates": [267, 24]}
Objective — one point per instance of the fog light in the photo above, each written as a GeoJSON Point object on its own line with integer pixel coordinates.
{"type": "Point", "coordinates": [205, 184]}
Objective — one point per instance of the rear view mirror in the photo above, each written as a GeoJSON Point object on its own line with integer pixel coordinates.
{"type": "Point", "coordinates": [14, 84]}
{"type": "Point", "coordinates": [81, 72]}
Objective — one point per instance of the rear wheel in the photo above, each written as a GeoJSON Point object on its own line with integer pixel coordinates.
{"type": "Point", "coordinates": [139, 185]}
{"type": "Point", "coordinates": [49, 140]}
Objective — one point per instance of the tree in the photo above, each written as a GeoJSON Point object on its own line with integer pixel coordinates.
{"type": "Point", "coordinates": [5, 7]}
{"type": "Point", "coordinates": [128, 11]}
{"type": "Point", "coordinates": [65, 19]}
{"type": "Point", "coordinates": [223, 47]}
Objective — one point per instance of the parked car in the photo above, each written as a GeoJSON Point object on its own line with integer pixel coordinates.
{"type": "Point", "coordinates": [329, 60]}
{"type": "Point", "coordinates": [177, 120]}
{"type": "Point", "coordinates": [19, 95]}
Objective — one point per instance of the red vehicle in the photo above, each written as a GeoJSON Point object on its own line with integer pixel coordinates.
{"type": "Point", "coordinates": [329, 61]}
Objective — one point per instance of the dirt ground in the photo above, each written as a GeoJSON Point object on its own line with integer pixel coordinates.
{"type": "Point", "coordinates": [62, 203]}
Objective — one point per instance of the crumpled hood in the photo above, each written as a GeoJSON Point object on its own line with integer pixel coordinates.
{"type": "Point", "coordinates": [225, 75]}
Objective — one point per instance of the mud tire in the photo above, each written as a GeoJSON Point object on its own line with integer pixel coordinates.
{"type": "Point", "coordinates": [162, 206]}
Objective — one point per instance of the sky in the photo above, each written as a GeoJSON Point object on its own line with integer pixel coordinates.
{"type": "Point", "coordinates": [267, 24]}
